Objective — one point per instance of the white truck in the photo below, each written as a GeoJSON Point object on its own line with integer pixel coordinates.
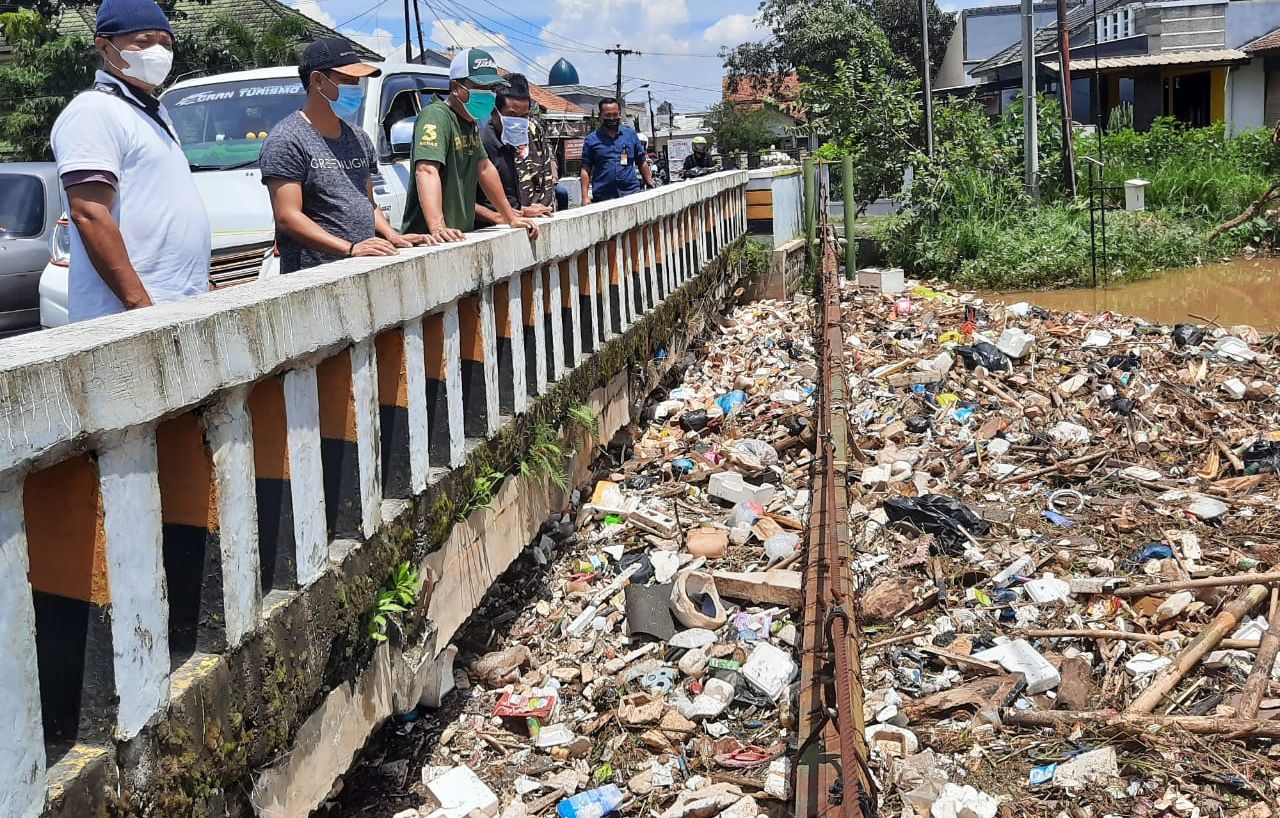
{"type": "Point", "coordinates": [221, 122]}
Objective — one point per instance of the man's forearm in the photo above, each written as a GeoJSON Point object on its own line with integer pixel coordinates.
{"type": "Point", "coordinates": [488, 214]}
{"type": "Point", "coordinates": [647, 174]}
{"type": "Point", "coordinates": [585, 180]}
{"type": "Point", "coordinates": [104, 245]}
{"type": "Point", "coordinates": [300, 227]}
{"type": "Point", "coordinates": [431, 198]}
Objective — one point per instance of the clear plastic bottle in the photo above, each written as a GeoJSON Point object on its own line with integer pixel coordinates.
{"type": "Point", "coordinates": [595, 803]}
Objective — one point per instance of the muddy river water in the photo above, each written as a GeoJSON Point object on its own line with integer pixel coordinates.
{"type": "Point", "coordinates": [1244, 291]}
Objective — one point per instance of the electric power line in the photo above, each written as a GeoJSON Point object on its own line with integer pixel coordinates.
{"type": "Point", "coordinates": [364, 13]}
{"type": "Point", "coordinates": [467, 16]}
{"type": "Point", "coordinates": [443, 27]}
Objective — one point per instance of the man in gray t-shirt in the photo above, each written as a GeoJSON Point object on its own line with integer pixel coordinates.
{"type": "Point", "coordinates": [318, 169]}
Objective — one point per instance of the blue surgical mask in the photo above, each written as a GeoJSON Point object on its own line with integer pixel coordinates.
{"type": "Point", "coordinates": [515, 131]}
{"type": "Point", "coordinates": [348, 102]}
{"type": "Point", "coordinates": [480, 104]}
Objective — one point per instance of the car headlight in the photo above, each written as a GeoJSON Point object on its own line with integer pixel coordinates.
{"type": "Point", "coordinates": [60, 244]}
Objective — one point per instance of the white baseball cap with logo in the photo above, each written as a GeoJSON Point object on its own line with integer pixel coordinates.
{"type": "Point", "coordinates": [477, 65]}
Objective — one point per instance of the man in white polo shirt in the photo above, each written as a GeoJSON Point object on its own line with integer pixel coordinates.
{"type": "Point", "coordinates": [139, 231]}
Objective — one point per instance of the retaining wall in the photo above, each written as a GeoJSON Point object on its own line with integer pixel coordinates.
{"type": "Point", "coordinates": [199, 501]}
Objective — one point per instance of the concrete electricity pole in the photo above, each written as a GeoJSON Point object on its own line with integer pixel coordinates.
{"type": "Point", "coordinates": [621, 52]}
{"type": "Point", "coordinates": [1030, 140]}
{"type": "Point", "coordinates": [1064, 96]}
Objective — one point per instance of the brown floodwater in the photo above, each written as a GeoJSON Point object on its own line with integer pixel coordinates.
{"type": "Point", "coordinates": [1244, 291]}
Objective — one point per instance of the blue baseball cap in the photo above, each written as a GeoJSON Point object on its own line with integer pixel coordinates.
{"type": "Point", "coordinates": [127, 16]}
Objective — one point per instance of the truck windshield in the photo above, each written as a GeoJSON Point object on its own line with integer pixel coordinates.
{"type": "Point", "coordinates": [222, 125]}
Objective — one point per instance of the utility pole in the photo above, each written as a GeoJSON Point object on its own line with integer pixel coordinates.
{"type": "Point", "coordinates": [408, 36]}
{"type": "Point", "coordinates": [653, 123]}
{"type": "Point", "coordinates": [1064, 97]}
{"type": "Point", "coordinates": [417, 21]}
{"type": "Point", "coordinates": [1030, 141]}
{"type": "Point", "coordinates": [621, 52]}
{"type": "Point", "coordinates": [927, 85]}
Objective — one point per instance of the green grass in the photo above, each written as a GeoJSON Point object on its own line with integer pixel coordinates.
{"type": "Point", "coordinates": [968, 219]}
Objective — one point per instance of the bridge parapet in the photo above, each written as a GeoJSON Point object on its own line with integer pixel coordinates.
{"type": "Point", "coordinates": [167, 476]}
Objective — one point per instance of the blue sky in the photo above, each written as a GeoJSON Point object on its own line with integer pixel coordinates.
{"type": "Point", "coordinates": [678, 39]}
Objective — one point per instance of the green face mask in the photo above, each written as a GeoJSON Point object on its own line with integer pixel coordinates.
{"type": "Point", "coordinates": [480, 104]}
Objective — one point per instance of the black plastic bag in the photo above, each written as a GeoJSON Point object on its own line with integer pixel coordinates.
{"type": "Point", "coordinates": [944, 517]}
{"type": "Point", "coordinates": [1125, 363]}
{"type": "Point", "coordinates": [918, 424]}
{"type": "Point", "coordinates": [694, 421]}
{"type": "Point", "coordinates": [1121, 406]}
{"type": "Point", "coordinates": [983, 354]}
{"type": "Point", "coordinates": [1262, 457]}
{"type": "Point", "coordinates": [1187, 335]}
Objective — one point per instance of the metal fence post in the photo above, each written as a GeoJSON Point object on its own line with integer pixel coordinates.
{"type": "Point", "coordinates": [850, 208]}
{"type": "Point", "coordinates": [810, 216]}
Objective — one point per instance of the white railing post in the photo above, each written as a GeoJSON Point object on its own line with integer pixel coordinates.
{"type": "Point", "coordinates": [22, 757]}
{"type": "Point", "coordinates": [453, 387]}
{"type": "Point", "coordinates": [131, 525]}
{"type": "Point", "coordinates": [230, 435]}
{"type": "Point", "coordinates": [489, 331]}
{"type": "Point", "coordinates": [575, 312]}
{"type": "Point", "coordinates": [604, 289]}
{"type": "Point", "coordinates": [415, 371]}
{"type": "Point", "coordinates": [539, 331]}
{"type": "Point", "coordinates": [306, 473]}
{"type": "Point", "coordinates": [515, 322]}
{"type": "Point", "coordinates": [364, 389]}
{"type": "Point", "coordinates": [649, 249]}
{"type": "Point", "coordinates": [555, 316]}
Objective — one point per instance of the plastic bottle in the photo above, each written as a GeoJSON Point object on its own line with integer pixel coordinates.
{"type": "Point", "coordinates": [591, 804]}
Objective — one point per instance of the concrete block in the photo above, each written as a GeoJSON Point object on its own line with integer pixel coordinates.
{"type": "Point", "coordinates": [889, 280]}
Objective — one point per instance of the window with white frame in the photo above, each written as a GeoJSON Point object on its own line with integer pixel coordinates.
{"type": "Point", "coordinates": [1116, 25]}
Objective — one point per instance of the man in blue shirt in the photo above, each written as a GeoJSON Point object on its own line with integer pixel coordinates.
{"type": "Point", "coordinates": [610, 157]}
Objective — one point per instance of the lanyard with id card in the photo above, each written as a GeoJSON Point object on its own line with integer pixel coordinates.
{"type": "Point", "coordinates": [622, 160]}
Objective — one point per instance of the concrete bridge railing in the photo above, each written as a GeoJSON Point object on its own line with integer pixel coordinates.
{"type": "Point", "coordinates": [168, 476]}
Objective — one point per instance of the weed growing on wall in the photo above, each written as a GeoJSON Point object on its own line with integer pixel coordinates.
{"type": "Point", "coordinates": [397, 596]}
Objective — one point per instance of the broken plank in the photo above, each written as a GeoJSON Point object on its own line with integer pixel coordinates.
{"type": "Point", "coordinates": [772, 587]}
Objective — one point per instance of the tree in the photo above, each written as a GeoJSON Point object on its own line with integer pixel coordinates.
{"type": "Point", "coordinates": [900, 20]}
{"type": "Point", "coordinates": [47, 70]}
{"type": "Point", "coordinates": [866, 110]}
{"type": "Point", "coordinates": [816, 34]}
{"type": "Point", "coordinates": [230, 45]}
{"type": "Point", "coordinates": [738, 128]}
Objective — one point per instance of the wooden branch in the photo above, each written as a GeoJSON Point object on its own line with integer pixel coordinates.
{"type": "Point", "coordinates": [1256, 685]}
{"type": "Point", "coordinates": [1255, 207]}
{"type": "Point", "coordinates": [1207, 582]}
{"type": "Point", "coordinates": [1073, 462]}
{"type": "Point", "coordinates": [1141, 722]}
{"type": "Point", "coordinates": [1188, 657]}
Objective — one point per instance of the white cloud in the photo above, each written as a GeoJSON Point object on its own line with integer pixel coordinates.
{"type": "Point", "coordinates": [734, 29]}
{"type": "Point", "coordinates": [312, 9]}
{"type": "Point", "coordinates": [380, 40]}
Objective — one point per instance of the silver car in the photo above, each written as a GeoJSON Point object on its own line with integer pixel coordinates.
{"type": "Point", "coordinates": [29, 211]}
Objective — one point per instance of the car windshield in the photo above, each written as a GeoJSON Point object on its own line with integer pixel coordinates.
{"type": "Point", "coordinates": [21, 206]}
{"type": "Point", "coordinates": [223, 125]}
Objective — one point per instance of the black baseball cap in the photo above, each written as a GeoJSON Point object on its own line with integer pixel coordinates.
{"type": "Point", "coordinates": [332, 54]}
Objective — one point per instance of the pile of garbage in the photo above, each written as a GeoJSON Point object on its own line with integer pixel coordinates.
{"type": "Point", "coordinates": [642, 656]}
{"type": "Point", "coordinates": [1067, 537]}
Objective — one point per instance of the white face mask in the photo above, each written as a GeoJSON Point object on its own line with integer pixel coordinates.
{"type": "Point", "coordinates": [150, 65]}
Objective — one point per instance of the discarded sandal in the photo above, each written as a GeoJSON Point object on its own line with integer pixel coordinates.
{"type": "Point", "coordinates": [747, 755]}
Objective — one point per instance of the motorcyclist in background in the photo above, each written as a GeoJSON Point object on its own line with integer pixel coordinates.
{"type": "Point", "coordinates": [698, 163]}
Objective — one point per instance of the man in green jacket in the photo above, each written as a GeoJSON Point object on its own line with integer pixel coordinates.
{"type": "Point", "coordinates": [449, 158]}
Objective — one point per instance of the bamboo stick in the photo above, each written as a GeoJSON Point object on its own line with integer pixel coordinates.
{"type": "Point", "coordinates": [1207, 582]}
{"type": "Point", "coordinates": [1165, 680]}
{"type": "Point", "coordinates": [1142, 722]}
{"type": "Point", "coordinates": [1255, 687]}
{"type": "Point", "coordinates": [1124, 636]}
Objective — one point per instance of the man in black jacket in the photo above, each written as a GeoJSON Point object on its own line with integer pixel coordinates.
{"type": "Point", "coordinates": [516, 147]}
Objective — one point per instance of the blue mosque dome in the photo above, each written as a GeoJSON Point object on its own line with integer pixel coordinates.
{"type": "Point", "coordinates": [563, 73]}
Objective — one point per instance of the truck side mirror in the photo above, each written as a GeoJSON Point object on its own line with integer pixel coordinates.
{"type": "Point", "coordinates": [402, 138]}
